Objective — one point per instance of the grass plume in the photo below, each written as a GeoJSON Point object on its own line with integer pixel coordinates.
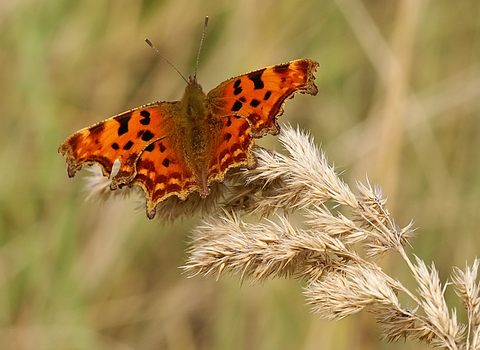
{"type": "Point", "coordinates": [336, 249]}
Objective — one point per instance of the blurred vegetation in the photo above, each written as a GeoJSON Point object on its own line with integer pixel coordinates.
{"type": "Point", "coordinates": [399, 101]}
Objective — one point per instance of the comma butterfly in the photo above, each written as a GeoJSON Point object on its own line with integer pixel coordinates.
{"type": "Point", "coordinates": [176, 148]}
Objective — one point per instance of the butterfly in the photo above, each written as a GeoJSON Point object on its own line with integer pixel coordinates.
{"type": "Point", "coordinates": [177, 148]}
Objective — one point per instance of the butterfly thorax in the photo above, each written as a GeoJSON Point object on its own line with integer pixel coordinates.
{"type": "Point", "coordinates": [194, 102]}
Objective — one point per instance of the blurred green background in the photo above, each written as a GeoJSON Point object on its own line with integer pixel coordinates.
{"type": "Point", "coordinates": [399, 101]}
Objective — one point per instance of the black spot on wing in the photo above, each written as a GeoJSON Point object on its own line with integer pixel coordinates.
{"type": "Point", "coordinates": [256, 78]}
{"type": "Point", "coordinates": [147, 135]}
{"type": "Point", "coordinates": [115, 146]}
{"type": "Point", "coordinates": [150, 147]}
{"type": "Point", "coordinates": [128, 145]}
{"type": "Point", "coordinates": [267, 95]}
{"type": "Point", "coordinates": [237, 106]}
{"type": "Point", "coordinates": [237, 89]}
{"type": "Point", "coordinates": [123, 121]}
{"type": "Point", "coordinates": [146, 117]}
{"type": "Point", "coordinates": [254, 103]}
{"type": "Point", "coordinates": [166, 162]}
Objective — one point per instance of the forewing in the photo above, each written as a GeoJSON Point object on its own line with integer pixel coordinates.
{"type": "Point", "coordinates": [259, 96]}
{"type": "Point", "coordinates": [121, 137]}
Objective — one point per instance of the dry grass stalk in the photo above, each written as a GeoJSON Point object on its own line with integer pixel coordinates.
{"type": "Point", "coordinates": [336, 250]}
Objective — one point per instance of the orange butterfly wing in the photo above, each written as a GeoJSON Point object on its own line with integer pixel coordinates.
{"type": "Point", "coordinates": [259, 96]}
{"type": "Point", "coordinates": [231, 148]}
{"type": "Point", "coordinates": [162, 171]}
{"type": "Point", "coordinates": [249, 105]}
{"type": "Point", "coordinates": [121, 137]}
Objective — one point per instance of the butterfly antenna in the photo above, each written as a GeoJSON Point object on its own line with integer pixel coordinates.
{"type": "Point", "coordinates": [201, 43]}
{"type": "Point", "coordinates": [162, 56]}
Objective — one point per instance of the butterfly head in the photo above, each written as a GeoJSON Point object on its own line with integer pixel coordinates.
{"type": "Point", "coordinates": [193, 84]}
{"type": "Point", "coordinates": [194, 99]}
